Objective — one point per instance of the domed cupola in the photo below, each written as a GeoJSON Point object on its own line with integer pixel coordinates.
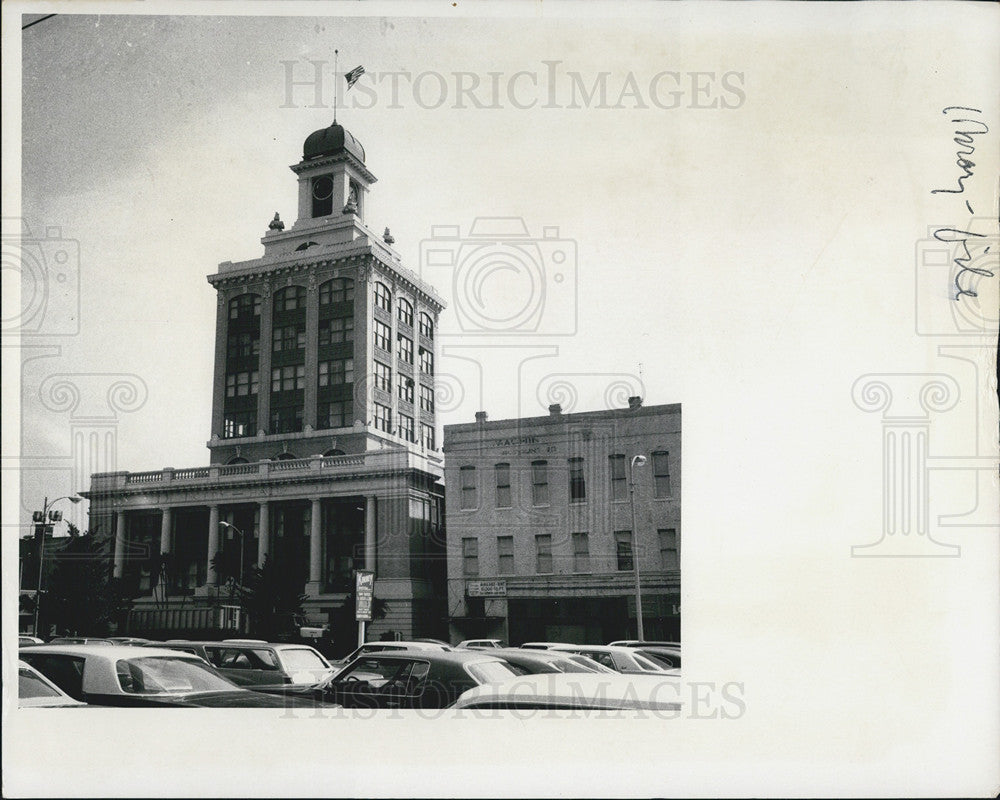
{"type": "Point", "coordinates": [332, 141]}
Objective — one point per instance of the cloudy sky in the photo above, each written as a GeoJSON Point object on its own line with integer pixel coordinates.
{"type": "Point", "coordinates": [744, 203]}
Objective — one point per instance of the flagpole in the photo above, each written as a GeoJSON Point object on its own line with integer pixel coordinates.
{"type": "Point", "coordinates": [336, 84]}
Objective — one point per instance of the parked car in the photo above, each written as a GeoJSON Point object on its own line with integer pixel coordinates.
{"type": "Point", "coordinates": [411, 679]}
{"type": "Point", "coordinates": [433, 641]}
{"type": "Point", "coordinates": [620, 659]}
{"type": "Point", "coordinates": [254, 662]}
{"type": "Point", "coordinates": [130, 640]}
{"type": "Point", "coordinates": [541, 645]}
{"type": "Point", "coordinates": [384, 647]}
{"type": "Point", "coordinates": [555, 691]}
{"type": "Point", "coordinates": [670, 657]}
{"type": "Point", "coordinates": [145, 676]}
{"type": "Point", "coordinates": [28, 641]}
{"type": "Point", "coordinates": [480, 644]}
{"type": "Point", "coordinates": [642, 643]}
{"type": "Point", "coordinates": [34, 690]}
{"type": "Point", "coordinates": [531, 662]}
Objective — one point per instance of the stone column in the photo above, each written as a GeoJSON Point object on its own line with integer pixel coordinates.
{"type": "Point", "coordinates": [212, 577]}
{"type": "Point", "coordinates": [264, 534]}
{"type": "Point", "coordinates": [312, 353]}
{"type": "Point", "coordinates": [371, 519]}
{"type": "Point", "coordinates": [166, 529]}
{"type": "Point", "coordinates": [119, 544]}
{"type": "Point", "coordinates": [315, 547]}
{"type": "Point", "coordinates": [264, 390]}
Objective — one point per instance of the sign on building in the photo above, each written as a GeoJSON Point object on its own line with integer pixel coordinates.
{"type": "Point", "coordinates": [364, 594]}
{"type": "Point", "coordinates": [486, 588]}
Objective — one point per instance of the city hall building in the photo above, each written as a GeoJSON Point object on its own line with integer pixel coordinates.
{"type": "Point", "coordinates": [322, 447]}
{"type": "Point", "coordinates": [543, 526]}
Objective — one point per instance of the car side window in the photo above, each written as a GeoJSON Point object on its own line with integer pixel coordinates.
{"type": "Point", "coordinates": [235, 659]}
{"type": "Point", "coordinates": [606, 659]}
{"type": "Point", "coordinates": [214, 655]}
{"type": "Point", "coordinates": [66, 672]}
{"type": "Point", "coordinates": [264, 659]}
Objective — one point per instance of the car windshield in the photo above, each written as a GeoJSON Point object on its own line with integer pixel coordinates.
{"type": "Point", "coordinates": [31, 685]}
{"type": "Point", "coordinates": [489, 671]}
{"type": "Point", "coordinates": [647, 664]}
{"type": "Point", "coordinates": [301, 658]}
{"type": "Point", "coordinates": [166, 675]}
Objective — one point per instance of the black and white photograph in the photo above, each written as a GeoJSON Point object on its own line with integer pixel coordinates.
{"type": "Point", "coordinates": [345, 353]}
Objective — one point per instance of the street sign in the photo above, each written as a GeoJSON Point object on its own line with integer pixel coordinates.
{"type": "Point", "coordinates": [364, 594]}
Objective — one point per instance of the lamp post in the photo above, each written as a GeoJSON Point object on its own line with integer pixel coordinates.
{"type": "Point", "coordinates": [230, 525]}
{"type": "Point", "coordinates": [43, 518]}
{"type": "Point", "coordinates": [637, 461]}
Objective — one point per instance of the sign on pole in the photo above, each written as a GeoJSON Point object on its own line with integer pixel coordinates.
{"type": "Point", "coordinates": [364, 594]}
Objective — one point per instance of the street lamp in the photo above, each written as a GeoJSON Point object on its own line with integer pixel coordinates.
{"type": "Point", "coordinates": [230, 525]}
{"type": "Point", "coordinates": [43, 518]}
{"type": "Point", "coordinates": [637, 461]}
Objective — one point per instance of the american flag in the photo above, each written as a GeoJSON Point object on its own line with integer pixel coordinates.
{"type": "Point", "coordinates": [353, 75]}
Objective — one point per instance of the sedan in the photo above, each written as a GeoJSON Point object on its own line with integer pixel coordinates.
{"type": "Point", "coordinates": [531, 662]}
{"type": "Point", "coordinates": [34, 690]}
{"type": "Point", "coordinates": [620, 659]}
{"type": "Point", "coordinates": [144, 676]}
{"type": "Point", "coordinates": [254, 662]}
{"type": "Point", "coordinates": [554, 691]}
{"type": "Point", "coordinates": [406, 679]}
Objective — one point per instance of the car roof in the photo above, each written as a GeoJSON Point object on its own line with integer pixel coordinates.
{"type": "Point", "coordinates": [414, 645]}
{"type": "Point", "coordinates": [538, 655]}
{"type": "Point", "coordinates": [443, 656]}
{"type": "Point", "coordinates": [592, 648]}
{"type": "Point", "coordinates": [579, 688]}
{"type": "Point", "coordinates": [110, 653]}
{"type": "Point", "coordinates": [541, 645]}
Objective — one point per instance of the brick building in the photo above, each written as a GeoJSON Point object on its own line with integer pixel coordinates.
{"type": "Point", "coordinates": [540, 525]}
{"type": "Point", "coordinates": [322, 451]}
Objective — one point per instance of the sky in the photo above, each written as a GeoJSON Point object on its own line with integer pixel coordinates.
{"type": "Point", "coordinates": [744, 214]}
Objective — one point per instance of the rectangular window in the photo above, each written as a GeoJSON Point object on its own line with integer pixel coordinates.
{"type": "Point", "coordinates": [406, 389]}
{"type": "Point", "coordinates": [503, 485]}
{"type": "Point", "coordinates": [668, 549]}
{"type": "Point", "coordinates": [427, 436]}
{"type": "Point", "coordinates": [539, 483]}
{"type": "Point", "coordinates": [577, 486]}
{"type": "Point", "coordinates": [505, 555]}
{"type": "Point", "coordinates": [406, 427]}
{"type": "Point", "coordinates": [470, 557]}
{"type": "Point", "coordinates": [287, 379]}
{"type": "Point", "coordinates": [336, 330]}
{"type": "Point", "coordinates": [661, 474]}
{"type": "Point", "coordinates": [405, 348]}
{"type": "Point", "coordinates": [616, 466]}
{"type": "Point", "coordinates": [334, 415]}
{"type": "Point", "coordinates": [339, 290]}
{"type": "Point", "coordinates": [426, 361]}
{"type": "Point", "coordinates": [581, 553]}
{"type": "Point", "coordinates": [289, 337]}
{"type": "Point", "coordinates": [623, 548]}
{"type": "Point", "coordinates": [383, 418]}
{"type": "Point", "coordinates": [286, 420]}
{"type": "Point", "coordinates": [468, 484]}
{"type": "Point", "coordinates": [337, 372]}
{"type": "Point", "coordinates": [383, 336]}
{"type": "Point", "coordinates": [426, 399]}
{"type": "Point", "coordinates": [243, 344]}
{"type": "Point", "coordinates": [383, 376]}
{"type": "Point", "coordinates": [543, 554]}
{"type": "Point", "coordinates": [239, 423]}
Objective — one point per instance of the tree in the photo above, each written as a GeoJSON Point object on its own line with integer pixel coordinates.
{"type": "Point", "coordinates": [272, 600]}
{"type": "Point", "coordinates": [79, 594]}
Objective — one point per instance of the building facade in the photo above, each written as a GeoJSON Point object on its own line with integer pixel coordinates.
{"type": "Point", "coordinates": [323, 451]}
{"type": "Point", "coordinates": [543, 525]}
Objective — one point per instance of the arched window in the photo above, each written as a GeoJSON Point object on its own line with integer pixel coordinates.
{"type": "Point", "coordinates": [291, 298]}
{"type": "Point", "coordinates": [334, 452]}
{"type": "Point", "coordinates": [405, 311]}
{"type": "Point", "coordinates": [237, 460]}
{"type": "Point", "coordinates": [339, 290]}
{"type": "Point", "coordinates": [244, 306]}
{"type": "Point", "coordinates": [284, 457]}
{"type": "Point", "coordinates": [383, 297]}
{"type": "Point", "coordinates": [426, 325]}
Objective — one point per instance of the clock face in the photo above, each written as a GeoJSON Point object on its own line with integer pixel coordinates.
{"type": "Point", "coordinates": [322, 187]}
